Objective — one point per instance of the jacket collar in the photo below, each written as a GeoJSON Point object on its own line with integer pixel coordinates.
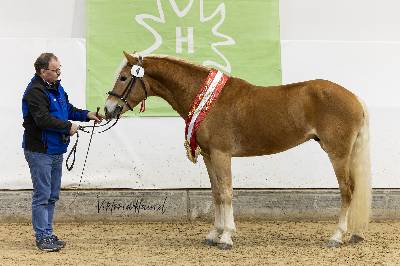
{"type": "Point", "coordinates": [51, 86]}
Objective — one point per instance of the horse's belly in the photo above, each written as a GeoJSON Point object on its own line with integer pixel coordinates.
{"type": "Point", "coordinates": [264, 144]}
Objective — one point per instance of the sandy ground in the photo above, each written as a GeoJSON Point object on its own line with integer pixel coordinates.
{"type": "Point", "coordinates": [256, 243]}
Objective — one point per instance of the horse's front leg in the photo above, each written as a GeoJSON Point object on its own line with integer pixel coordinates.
{"type": "Point", "coordinates": [219, 168]}
{"type": "Point", "coordinates": [216, 231]}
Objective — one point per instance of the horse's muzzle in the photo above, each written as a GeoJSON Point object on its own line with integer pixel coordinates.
{"type": "Point", "coordinates": [114, 113]}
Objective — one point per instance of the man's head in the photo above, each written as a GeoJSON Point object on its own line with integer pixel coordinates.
{"type": "Point", "coordinates": [48, 67]}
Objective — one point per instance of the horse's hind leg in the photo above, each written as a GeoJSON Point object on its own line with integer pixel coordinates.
{"type": "Point", "coordinates": [221, 182]}
{"type": "Point", "coordinates": [215, 232]}
{"type": "Point", "coordinates": [341, 168]}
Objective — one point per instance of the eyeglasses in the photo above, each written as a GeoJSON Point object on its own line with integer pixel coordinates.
{"type": "Point", "coordinates": [57, 71]}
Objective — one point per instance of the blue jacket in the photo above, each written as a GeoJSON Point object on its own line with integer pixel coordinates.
{"type": "Point", "coordinates": [46, 111]}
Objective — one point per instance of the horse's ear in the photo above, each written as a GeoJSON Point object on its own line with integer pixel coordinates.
{"type": "Point", "coordinates": [130, 58]}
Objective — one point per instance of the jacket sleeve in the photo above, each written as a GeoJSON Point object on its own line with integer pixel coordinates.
{"type": "Point", "coordinates": [38, 105]}
{"type": "Point", "coordinates": [76, 114]}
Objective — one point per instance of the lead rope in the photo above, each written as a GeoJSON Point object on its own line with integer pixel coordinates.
{"type": "Point", "coordinates": [87, 153]}
{"type": "Point", "coordinates": [82, 128]}
{"type": "Point", "coordinates": [72, 152]}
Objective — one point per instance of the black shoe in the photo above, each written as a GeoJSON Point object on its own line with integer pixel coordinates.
{"type": "Point", "coordinates": [47, 244]}
{"type": "Point", "coordinates": [57, 241]}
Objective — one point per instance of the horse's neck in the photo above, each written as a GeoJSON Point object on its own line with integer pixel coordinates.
{"type": "Point", "coordinates": [176, 82]}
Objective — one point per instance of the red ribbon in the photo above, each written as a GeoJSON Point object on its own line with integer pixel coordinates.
{"type": "Point", "coordinates": [206, 108]}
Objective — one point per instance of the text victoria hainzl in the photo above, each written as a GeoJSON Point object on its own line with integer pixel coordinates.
{"type": "Point", "coordinates": [134, 206]}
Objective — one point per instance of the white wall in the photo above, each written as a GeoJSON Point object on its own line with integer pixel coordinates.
{"type": "Point", "coordinates": [355, 43]}
{"type": "Point", "coordinates": [42, 19]}
{"type": "Point", "coordinates": [340, 20]}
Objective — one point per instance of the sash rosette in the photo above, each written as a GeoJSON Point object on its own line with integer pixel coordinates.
{"type": "Point", "coordinates": [201, 105]}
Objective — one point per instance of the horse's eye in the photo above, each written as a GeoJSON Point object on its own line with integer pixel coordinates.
{"type": "Point", "coordinates": [122, 78]}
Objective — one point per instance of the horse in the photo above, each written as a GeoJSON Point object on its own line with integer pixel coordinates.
{"type": "Point", "coordinates": [250, 120]}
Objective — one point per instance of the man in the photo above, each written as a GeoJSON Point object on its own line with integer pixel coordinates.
{"type": "Point", "coordinates": [46, 111]}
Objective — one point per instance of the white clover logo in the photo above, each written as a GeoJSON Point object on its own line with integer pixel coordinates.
{"type": "Point", "coordinates": [189, 39]}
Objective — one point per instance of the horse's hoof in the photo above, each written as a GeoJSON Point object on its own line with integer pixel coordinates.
{"type": "Point", "coordinates": [209, 242]}
{"type": "Point", "coordinates": [355, 239]}
{"type": "Point", "coordinates": [334, 243]}
{"type": "Point", "coordinates": [224, 246]}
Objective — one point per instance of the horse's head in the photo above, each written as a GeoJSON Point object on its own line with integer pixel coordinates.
{"type": "Point", "coordinates": [129, 88]}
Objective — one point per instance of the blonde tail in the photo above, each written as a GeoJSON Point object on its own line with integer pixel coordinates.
{"type": "Point", "coordinates": [360, 173]}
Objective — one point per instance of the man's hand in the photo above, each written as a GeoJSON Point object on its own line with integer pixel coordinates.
{"type": "Point", "coordinates": [74, 129]}
{"type": "Point", "coordinates": [95, 116]}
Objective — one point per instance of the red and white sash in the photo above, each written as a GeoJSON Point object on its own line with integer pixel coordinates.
{"type": "Point", "coordinates": [201, 104]}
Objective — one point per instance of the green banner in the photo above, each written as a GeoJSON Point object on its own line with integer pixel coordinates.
{"type": "Point", "coordinates": [241, 38]}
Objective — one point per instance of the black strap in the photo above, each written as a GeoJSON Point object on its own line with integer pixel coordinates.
{"type": "Point", "coordinates": [84, 163]}
{"type": "Point", "coordinates": [82, 128]}
{"type": "Point", "coordinates": [72, 152]}
{"type": "Point", "coordinates": [125, 94]}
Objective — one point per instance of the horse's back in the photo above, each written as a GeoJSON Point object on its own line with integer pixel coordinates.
{"type": "Point", "coordinates": [250, 120]}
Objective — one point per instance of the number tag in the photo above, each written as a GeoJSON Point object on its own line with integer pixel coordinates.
{"type": "Point", "coordinates": [137, 71]}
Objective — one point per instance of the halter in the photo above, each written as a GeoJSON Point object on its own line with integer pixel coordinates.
{"type": "Point", "coordinates": [137, 73]}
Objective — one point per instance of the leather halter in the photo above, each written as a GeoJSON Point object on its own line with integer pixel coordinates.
{"type": "Point", "coordinates": [125, 94]}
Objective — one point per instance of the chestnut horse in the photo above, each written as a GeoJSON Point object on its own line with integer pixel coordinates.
{"type": "Point", "coordinates": [249, 120]}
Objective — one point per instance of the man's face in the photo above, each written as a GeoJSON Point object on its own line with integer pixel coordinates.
{"type": "Point", "coordinates": [52, 73]}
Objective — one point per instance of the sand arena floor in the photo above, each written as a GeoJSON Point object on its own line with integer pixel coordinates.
{"type": "Point", "coordinates": [180, 243]}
